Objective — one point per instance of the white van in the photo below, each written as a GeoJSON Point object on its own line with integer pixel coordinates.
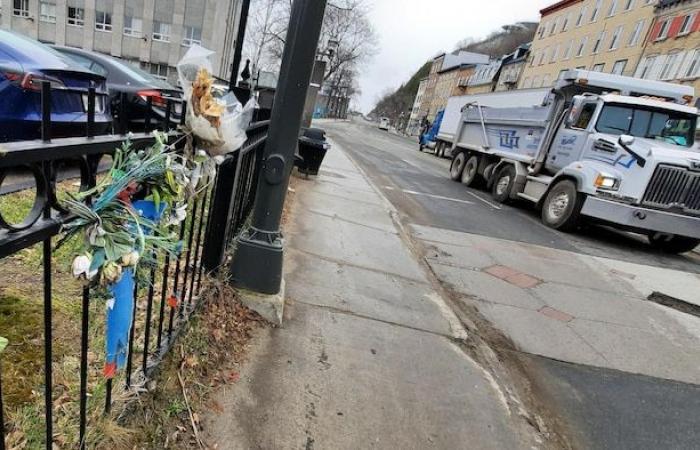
{"type": "Point", "coordinates": [384, 123]}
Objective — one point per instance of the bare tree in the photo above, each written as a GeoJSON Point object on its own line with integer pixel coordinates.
{"type": "Point", "coordinates": [267, 19]}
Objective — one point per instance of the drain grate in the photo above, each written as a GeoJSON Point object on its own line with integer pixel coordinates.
{"type": "Point", "coordinates": [675, 303]}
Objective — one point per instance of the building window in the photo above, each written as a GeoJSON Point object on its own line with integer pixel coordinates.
{"type": "Point", "coordinates": [613, 8]}
{"type": "Point", "coordinates": [543, 56]}
{"type": "Point", "coordinates": [582, 47]}
{"type": "Point", "coordinates": [103, 21]}
{"type": "Point", "coordinates": [21, 8]}
{"type": "Point", "coordinates": [693, 65]}
{"type": "Point", "coordinates": [663, 30]}
{"type": "Point", "coordinates": [133, 26]}
{"type": "Point", "coordinates": [159, 70]}
{"type": "Point", "coordinates": [615, 41]}
{"type": "Point", "coordinates": [636, 34]}
{"type": "Point", "coordinates": [596, 10]}
{"type": "Point", "coordinates": [161, 31]}
{"type": "Point", "coordinates": [565, 25]}
{"type": "Point", "coordinates": [540, 32]}
{"type": "Point", "coordinates": [76, 16]}
{"type": "Point", "coordinates": [619, 67]}
{"type": "Point", "coordinates": [646, 67]}
{"type": "Point", "coordinates": [555, 54]}
{"type": "Point", "coordinates": [581, 15]}
{"type": "Point", "coordinates": [687, 24]}
{"type": "Point", "coordinates": [598, 42]}
{"type": "Point", "coordinates": [668, 72]}
{"type": "Point", "coordinates": [47, 12]}
{"type": "Point", "coordinates": [598, 67]}
{"type": "Point", "coordinates": [193, 35]}
{"type": "Point", "coordinates": [555, 22]}
{"type": "Point", "coordinates": [629, 4]}
{"type": "Point", "coordinates": [567, 52]}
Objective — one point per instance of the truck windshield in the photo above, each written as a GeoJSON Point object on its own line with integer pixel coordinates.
{"type": "Point", "coordinates": [669, 126]}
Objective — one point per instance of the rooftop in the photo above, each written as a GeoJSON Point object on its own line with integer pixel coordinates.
{"type": "Point", "coordinates": [558, 6]}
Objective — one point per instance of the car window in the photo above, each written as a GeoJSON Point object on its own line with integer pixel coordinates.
{"type": "Point", "coordinates": [585, 117]}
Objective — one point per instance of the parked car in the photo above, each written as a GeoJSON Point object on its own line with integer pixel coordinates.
{"type": "Point", "coordinates": [137, 84]}
{"type": "Point", "coordinates": [24, 65]}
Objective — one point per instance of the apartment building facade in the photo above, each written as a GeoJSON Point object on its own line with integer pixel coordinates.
{"type": "Point", "coordinates": [512, 68]}
{"type": "Point", "coordinates": [672, 51]}
{"type": "Point", "coordinates": [154, 34]}
{"type": "Point", "coordinates": [415, 119]}
{"type": "Point", "coordinates": [601, 35]}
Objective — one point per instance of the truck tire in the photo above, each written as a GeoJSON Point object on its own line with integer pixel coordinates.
{"type": "Point", "coordinates": [470, 174]}
{"type": "Point", "coordinates": [438, 147]}
{"type": "Point", "coordinates": [503, 184]}
{"type": "Point", "coordinates": [457, 166]}
{"type": "Point", "coordinates": [561, 209]}
{"type": "Point", "coordinates": [671, 243]}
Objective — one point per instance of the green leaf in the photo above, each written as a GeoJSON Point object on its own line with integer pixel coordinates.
{"type": "Point", "coordinates": [98, 259]}
{"type": "Point", "coordinates": [3, 343]}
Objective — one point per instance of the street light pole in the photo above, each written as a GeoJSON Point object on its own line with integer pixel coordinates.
{"type": "Point", "coordinates": [257, 262]}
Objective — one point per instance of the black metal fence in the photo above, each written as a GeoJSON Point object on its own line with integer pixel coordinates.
{"type": "Point", "coordinates": [172, 291]}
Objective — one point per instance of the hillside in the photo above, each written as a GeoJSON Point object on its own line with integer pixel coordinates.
{"type": "Point", "coordinates": [496, 44]}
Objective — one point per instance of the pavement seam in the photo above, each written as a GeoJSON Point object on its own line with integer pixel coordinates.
{"type": "Point", "coordinates": [350, 199]}
{"type": "Point", "coordinates": [357, 266]}
{"type": "Point", "coordinates": [595, 350]}
{"type": "Point", "coordinates": [348, 312]}
{"type": "Point", "coordinates": [335, 216]}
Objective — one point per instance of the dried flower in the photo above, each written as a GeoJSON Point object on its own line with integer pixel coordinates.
{"type": "Point", "coordinates": [178, 215]}
{"type": "Point", "coordinates": [111, 272]}
{"type": "Point", "coordinates": [131, 259]}
{"type": "Point", "coordinates": [81, 267]}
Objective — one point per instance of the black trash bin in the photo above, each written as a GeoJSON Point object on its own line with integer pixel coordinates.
{"type": "Point", "coordinates": [312, 149]}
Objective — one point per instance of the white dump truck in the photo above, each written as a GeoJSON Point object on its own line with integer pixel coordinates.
{"type": "Point", "coordinates": [615, 149]}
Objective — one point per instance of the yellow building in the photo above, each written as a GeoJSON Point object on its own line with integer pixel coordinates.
{"type": "Point", "coordinates": [672, 51]}
{"type": "Point", "coordinates": [602, 35]}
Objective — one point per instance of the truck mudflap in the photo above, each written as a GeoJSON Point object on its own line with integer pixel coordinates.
{"type": "Point", "coordinates": [638, 218]}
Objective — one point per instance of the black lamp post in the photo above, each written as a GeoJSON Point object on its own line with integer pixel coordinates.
{"type": "Point", "coordinates": [257, 263]}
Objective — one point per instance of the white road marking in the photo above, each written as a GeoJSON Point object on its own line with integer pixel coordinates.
{"type": "Point", "coordinates": [491, 204]}
{"type": "Point", "coordinates": [437, 197]}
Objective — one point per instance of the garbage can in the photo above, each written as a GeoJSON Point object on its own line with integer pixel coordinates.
{"type": "Point", "coordinates": [312, 149]}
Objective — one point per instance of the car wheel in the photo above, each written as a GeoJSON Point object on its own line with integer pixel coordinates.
{"type": "Point", "coordinates": [503, 184]}
{"type": "Point", "coordinates": [457, 166]}
{"type": "Point", "coordinates": [470, 174]}
{"type": "Point", "coordinates": [671, 243]}
{"type": "Point", "coordinates": [561, 209]}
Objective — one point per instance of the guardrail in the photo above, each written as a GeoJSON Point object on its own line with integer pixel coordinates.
{"type": "Point", "coordinates": [214, 219]}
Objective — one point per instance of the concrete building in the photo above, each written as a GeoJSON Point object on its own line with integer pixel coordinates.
{"type": "Point", "coordinates": [415, 119]}
{"type": "Point", "coordinates": [601, 35]}
{"type": "Point", "coordinates": [448, 75]}
{"type": "Point", "coordinates": [512, 68]}
{"type": "Point", "coordinates": [154, 34]}
{"type": "Point", "coordinates": [672, 51]}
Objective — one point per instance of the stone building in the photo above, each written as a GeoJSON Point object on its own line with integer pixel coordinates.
{"type": "Point", "coordinates": [511, 68]}
{"type": "Point", "coordinates": [154, 34]}
{"type": "Point", "coordinates": [415, 119]}
{"type": "Point", "coordinates": [672, 51]}
{"type": "Point", "coordinates": [601, 35]}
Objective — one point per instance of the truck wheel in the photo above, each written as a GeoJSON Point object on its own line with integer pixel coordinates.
{"type": "Point", "coordinates": [470, 175]}
{"type": "Point", "coordinates": [438, 149]}
{"type": "Point", "coordinates": [503, 184]}
{"type": "Point", "coordinates": [420, 147]}
{"type": "Point", "coordinates": [561, 209]}
{"type": "Point", "coordinates": [670, 243]}
{"type": "Point", "coordinates": [457, 166]}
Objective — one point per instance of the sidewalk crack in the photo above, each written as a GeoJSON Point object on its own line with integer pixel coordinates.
{"type": "Point", "coordinates": [337, 217]}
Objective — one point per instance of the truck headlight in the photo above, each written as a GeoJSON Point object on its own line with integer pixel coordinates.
{"type": "Point", "coordinates": [607, 182]}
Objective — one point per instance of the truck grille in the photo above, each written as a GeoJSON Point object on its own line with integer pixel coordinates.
{"type": "Point", "coordinates": [674, 187]}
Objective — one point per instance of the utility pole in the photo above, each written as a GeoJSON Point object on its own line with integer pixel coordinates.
{"type": "Point", "coordinates": [257, 262]}
{"type": "Point", "coordinates": [238, 51]}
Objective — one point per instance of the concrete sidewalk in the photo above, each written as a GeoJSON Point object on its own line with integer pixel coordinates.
{"type": "Point", "coordinates": [369, 355]}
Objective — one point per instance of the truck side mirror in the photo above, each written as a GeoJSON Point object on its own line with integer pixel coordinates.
{"type": "Point", "coordinates": [626, 140]}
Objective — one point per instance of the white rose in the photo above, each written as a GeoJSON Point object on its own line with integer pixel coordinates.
{"type": "Point", "coordinates": [81, 265]}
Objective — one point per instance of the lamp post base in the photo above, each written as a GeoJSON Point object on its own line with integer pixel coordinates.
{"type": "Point", "coordinates": [257, 262]}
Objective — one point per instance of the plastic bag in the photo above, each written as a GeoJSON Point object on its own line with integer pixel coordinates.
{"type": "Point", "coordinates": [218, 119]}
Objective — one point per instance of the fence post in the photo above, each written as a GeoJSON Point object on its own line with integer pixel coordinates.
{"type": "Point", "coordinates": [257, 262]}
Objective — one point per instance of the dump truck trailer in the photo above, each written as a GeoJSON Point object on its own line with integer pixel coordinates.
{"type": "Point", "coordinates": [615, 149]}
{"type": "Point", "coordinates": [440, 137]}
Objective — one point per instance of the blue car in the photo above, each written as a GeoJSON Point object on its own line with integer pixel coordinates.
{"type": "Point", "coordinates": [24, 65]}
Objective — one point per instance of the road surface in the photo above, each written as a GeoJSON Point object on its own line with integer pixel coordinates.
{"type": "Point", "coordinates": [616, 370]}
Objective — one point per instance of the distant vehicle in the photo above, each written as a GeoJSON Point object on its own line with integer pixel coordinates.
{"type": "Point", "coordinates": [24, 65]}
{"type": "Point", "coordinates": [428, 139]}
{"type": "Point", "coordinates": [384, 123]}
{"type": "Point", "coordinates": [613, 149]}
{"type": "Point", "coordinates": [137, 84]}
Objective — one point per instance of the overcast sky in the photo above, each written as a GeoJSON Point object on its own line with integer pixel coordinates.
{"type": "Point", "coordinates": [411, 32]}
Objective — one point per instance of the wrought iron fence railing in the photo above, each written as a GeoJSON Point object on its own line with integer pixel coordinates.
{"type": "Point", "coordinates": [214, 218]}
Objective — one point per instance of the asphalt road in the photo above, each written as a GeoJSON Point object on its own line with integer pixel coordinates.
{"type": "Point", "coordinates": [598, 407]}
{"type": "Point", "coordinates": [418, 185]}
